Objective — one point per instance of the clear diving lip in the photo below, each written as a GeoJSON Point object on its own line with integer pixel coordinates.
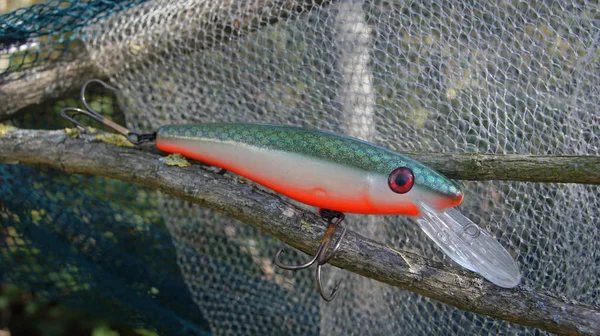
{"type": "Point", "coordinates": [469, 245]}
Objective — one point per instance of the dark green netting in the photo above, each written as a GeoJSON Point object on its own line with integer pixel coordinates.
{"type": "Point", "coordinates": [98, 245]}
{"type": "Point", "coordinates": [67, 240]}
{"type": "Point", "coordinates": [55, 26]}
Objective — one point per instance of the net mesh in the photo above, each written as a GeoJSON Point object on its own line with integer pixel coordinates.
{"type": "Point", "coordinates": [46, 33]}
{"type": "Point", "coordinates": [430, 76]}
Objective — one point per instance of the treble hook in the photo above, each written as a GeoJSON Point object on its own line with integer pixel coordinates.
{"type": "Point", "coordinates": [133, 137]}
{"type": "Point", "coordinates": [321, 257]}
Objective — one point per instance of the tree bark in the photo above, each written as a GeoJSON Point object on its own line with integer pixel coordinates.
{"type": "Point", "coordinates": [269, 213]}
{"type": "Point", "coordinates": [35, 85]}
{"type": "Point", "coordinates": [514, 167]}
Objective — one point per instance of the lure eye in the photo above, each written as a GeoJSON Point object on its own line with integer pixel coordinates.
{"type": "Point", "coordinates": [401, 180]}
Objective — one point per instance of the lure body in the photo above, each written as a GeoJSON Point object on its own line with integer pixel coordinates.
{"type": "Point", "coordinates": [314, 167]}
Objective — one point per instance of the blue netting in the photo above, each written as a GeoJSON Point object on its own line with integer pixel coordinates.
{"type": "Point", "coordinates": [49, 31]}
{"type": "Point", "coordinates": [99, 245]}
{"type": "Point", "coordinates": [67, 240]}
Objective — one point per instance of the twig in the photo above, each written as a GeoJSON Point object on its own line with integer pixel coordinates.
{"type": "Point", "coordinates": [283, 220]}
{"type": "Point", "coordinates": [514, 167]}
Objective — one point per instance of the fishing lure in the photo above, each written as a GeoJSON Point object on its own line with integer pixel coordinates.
{"type": "Point", "coordinates": [337, 174]}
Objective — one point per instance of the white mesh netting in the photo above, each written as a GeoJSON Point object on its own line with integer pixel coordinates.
{"type": "Point", "coordinates": [432, 76]}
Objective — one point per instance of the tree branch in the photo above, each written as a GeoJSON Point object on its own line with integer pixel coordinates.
{"type": "Point", "coordinates": [514, 167]}
{"type": "Point", "coordinates": [48, 81]}
{"type": "Point", "coordinates": [285, 221]}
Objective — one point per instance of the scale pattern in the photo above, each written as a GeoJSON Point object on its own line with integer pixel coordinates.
{"type": "Point", "coordinates": [312, 143]}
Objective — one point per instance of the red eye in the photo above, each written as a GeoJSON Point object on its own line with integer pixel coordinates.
{"type": "Point", "coordinates": [401, 180]}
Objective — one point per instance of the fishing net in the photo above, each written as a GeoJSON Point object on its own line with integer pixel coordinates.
{"type": "Point", "coordinates": [428, 76]}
